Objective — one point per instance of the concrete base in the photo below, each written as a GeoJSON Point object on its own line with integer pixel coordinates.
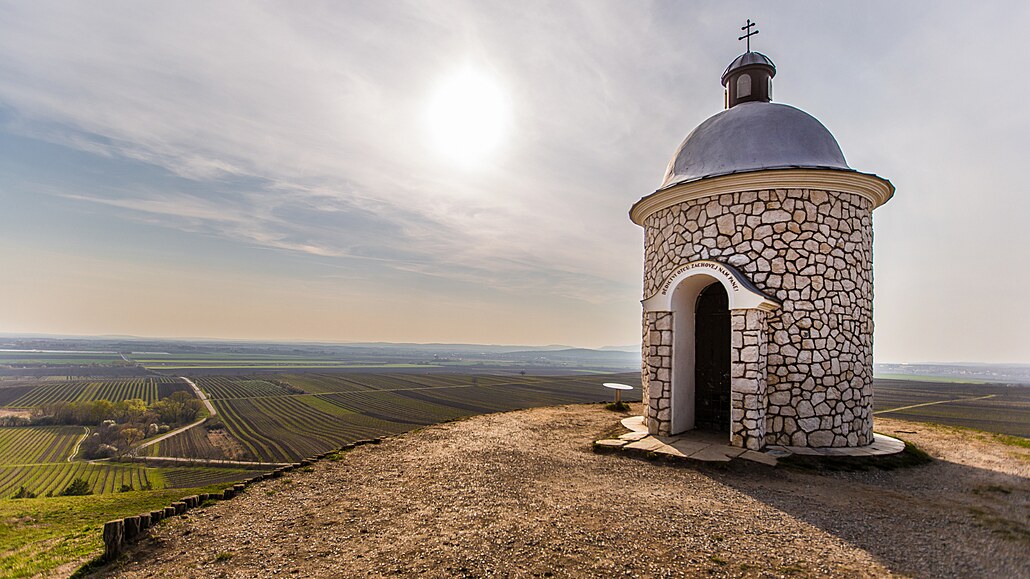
{"type": "Point", "coordinates": [710, 447]}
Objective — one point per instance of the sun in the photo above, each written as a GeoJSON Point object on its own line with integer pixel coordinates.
{"type": "Point", "coordinates": [467, 117]}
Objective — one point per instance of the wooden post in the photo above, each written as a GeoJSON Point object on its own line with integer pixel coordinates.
{"type": "Point", "coordinates": [131, 528]}
{"type": "Point", "coordinates": [169, 512]}
{"type": "Point", "coordinates": [114, 535]}
{"type": "Point", "coordinates": [156, 516]}
{"type": "Point", "coordinates": [144, 522]}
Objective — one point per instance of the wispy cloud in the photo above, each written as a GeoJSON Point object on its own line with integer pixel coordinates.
{"type": "Point", "coordinates": [299, 128]}
{"type": "Point", "coordinates": [285, 98]}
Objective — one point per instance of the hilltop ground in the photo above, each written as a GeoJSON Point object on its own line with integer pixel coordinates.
{"type": "Point", "coordinates": [522, 494]}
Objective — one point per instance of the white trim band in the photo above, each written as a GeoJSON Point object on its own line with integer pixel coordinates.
{"type": "Point", "coordinates": [876, 189]}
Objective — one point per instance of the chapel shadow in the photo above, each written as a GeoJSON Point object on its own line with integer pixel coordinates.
{"type": "Point", "coordinates": [936, 519]}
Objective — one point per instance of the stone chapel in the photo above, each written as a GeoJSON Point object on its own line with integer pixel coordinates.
{"type": "Point", "coordinates": [758, 278]}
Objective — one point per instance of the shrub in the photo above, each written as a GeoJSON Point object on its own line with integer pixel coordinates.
{"type": "Point", "coordinates": [78, 488]}
{"type": "Point", "coordinates": [24, 493]}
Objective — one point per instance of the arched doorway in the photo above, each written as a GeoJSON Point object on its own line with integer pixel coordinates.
{"type": "Point", "coordinates": [689, 341]}
{"type": "Point", "coordinates": [712, 360]}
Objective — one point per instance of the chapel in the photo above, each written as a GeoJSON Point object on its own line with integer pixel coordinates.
{"type": "Point", "coordinates": [758, 277]}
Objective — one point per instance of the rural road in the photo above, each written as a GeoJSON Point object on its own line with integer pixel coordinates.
{"type": "Point", "coordinates": [171, 433]}
{"type": "Point", "coordinates": [201, 395]}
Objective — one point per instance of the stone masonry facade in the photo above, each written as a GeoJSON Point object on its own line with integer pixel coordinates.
{"type": "Point", "coordinates": [748, 366]}
{"type": "Point", "coordinates": [656, 375]}
{"type": "Point", "coordinates": [800, 375]}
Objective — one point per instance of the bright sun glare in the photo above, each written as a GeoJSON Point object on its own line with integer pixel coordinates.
{"type": "Point", "coordinates": [467, 117]}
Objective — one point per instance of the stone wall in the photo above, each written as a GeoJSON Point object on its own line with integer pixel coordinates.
{"type": "Point", "coordinates": [812, 251]}
{"type": "Point", "coordinates": [657, 374]}
{"type": "Point", "coordinates": [748, 358]}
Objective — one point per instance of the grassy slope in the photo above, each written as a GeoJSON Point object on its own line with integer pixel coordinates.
{"type": "Point", "coordinates": [42, 534]}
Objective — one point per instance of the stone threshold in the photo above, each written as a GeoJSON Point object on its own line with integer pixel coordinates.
{"type": "Point", "coordinates": [711, 447]}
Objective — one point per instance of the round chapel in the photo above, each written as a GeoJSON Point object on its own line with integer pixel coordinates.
{"type": "Point", "coordinates": [758, 278]}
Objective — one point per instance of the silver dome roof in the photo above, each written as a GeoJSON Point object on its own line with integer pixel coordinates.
{"type": "Point", "coordinates": [749, 59]}
{"type": "Point", "coordinates": [753, 136]}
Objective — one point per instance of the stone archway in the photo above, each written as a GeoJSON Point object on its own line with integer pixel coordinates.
{"type": "Point", "coordinates": [671, 352]}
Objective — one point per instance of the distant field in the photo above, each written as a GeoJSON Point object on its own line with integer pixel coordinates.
{"type": "Point", "coordinates": [40, 393]}
{"type": "Point", "coordinates": [27, 357]}
{"type": "Point", "coordinates": [986, 406]}
{"type": "Point", "coordinates": [37, 457]}
{"type": "Point", "coordinates": [934, 379]}
{"type": "Point", "coordinates": [231, 361]}
{"type": "Point", "coordinates": [298, 415]}
{"type": "Point", "coordinates": [37, 444]}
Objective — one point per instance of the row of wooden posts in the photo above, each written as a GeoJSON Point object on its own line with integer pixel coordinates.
{"type": "Point", "coordinates": [121, 532]}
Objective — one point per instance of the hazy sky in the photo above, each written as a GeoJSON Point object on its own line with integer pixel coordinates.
{"type": "Point", "coordinates": [270, 170]}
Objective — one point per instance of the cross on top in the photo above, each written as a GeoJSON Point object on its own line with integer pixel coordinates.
{"type": "Point", "coordinates": [749, 34]}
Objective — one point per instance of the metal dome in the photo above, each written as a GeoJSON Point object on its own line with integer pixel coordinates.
{"type": "Point", "coordinates": [753, 136]}
{"type": "Point", "coordinates": [749, 59]}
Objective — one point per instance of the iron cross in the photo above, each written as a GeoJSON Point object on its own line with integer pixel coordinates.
{"type": "Point", "coordinates": [749, 34]}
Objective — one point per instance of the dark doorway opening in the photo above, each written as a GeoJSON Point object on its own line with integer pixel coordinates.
{"type": "Point", "coordinates": [712, 360]}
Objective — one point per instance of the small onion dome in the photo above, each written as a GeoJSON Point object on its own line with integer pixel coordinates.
{"type": "Point", "coordinates": [754, 136]}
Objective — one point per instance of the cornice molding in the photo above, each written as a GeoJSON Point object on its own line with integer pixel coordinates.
{"type": "Point", "coordinates": [876, 189]}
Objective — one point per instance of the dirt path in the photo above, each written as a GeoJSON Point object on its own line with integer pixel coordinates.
{"type": "Point", "coordinates": [521, 494]}
{"type": "Point", "coordinates": [78, 444]}
{"type": "Point", "coordinates": [964, 399]}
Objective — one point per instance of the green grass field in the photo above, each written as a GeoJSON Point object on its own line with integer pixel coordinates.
{"type": "Point", "coordinates": [44, 535]}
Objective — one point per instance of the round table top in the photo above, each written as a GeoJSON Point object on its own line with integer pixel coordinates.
{"type": "Point", "coordinates": [617, 386]}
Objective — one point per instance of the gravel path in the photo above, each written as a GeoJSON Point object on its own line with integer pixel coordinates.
{"type": "Point", "coordinates": [521, 494]}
